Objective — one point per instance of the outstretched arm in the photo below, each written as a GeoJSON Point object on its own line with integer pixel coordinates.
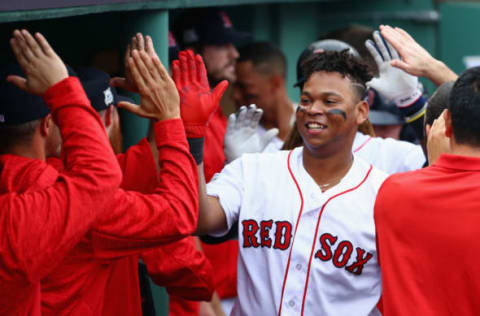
{"type": "Point", "coordinates": [41, 227]}
{"type": "Point", "coordinates": [198, 104]}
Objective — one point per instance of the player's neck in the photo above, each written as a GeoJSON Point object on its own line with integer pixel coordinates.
{"type": "Point", "coordinates": [465, 150]}
{"type": "Point", "coordinates": [327, 170]}
{"type": "Point", "coordinates": [33, 151]}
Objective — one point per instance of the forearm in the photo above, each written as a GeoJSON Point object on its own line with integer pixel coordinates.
{"type": "Point", "coordinates": [439, 73]}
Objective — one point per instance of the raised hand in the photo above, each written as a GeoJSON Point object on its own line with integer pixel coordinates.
{"type": "Point", "coordinates": [197, 101]}
{"type": "Point", "coordinates": [393, 84]}
{"type": "Point", "coordinates": [159, 98]}
{"type": "Point", "coordinates": [414, 58]}
{"type": "Point", "coordinates": [241, 136]}
{"type": "Point", "coordinates": [140, 43]}
{"type": "Point", "coordinates": [42, 67]}
{"type": "Point", "coordinates": [437, 141]}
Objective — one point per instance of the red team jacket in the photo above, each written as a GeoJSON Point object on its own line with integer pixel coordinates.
{"type": "Point", "coordinates": [132, 223]}
{"type": "Point", "coordinates": [45, 213]}
{"type": "Point", "coordinates": [427, 225]}
{"type": "Point", "coordinates": [178, 266]}
{"type": "Point", "coordinates": [223, 257]}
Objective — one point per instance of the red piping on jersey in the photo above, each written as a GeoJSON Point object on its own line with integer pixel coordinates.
{"type": "Point", "coordinates": [316, 232]}
{"type": "Point", "coordinates": [295, 232]}
{"type": "Point", "coordinates": [361, 146]}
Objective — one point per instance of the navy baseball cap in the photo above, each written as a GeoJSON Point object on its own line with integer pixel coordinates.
{"type": "Point", "coordinates": [319, 47]}
{"type": "Point", "coordinates": [17, 106]}
{"type": "Point", "coordinates": [96, 84]}
{"type": "Point", "coordinates": [210, 27]}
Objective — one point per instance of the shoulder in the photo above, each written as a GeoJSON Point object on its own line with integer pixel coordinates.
{"type": "Point", "coordinates": [373, 176]}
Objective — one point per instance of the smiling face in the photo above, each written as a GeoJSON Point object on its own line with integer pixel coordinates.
{"type": "Point", "coordinates": [325, 133]}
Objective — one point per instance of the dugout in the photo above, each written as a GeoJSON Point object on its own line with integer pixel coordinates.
{"type": "Point", "coordinates": [87, 32]}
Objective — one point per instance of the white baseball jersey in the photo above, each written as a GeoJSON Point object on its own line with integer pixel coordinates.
{"type": "Point", "coordinates": [388, 154]}
{"type": "Point", "coordinates": [302, 251]}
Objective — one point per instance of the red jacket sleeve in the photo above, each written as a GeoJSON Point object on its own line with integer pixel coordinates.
{"type": "Point", "coordinates": [40, 227]}
{"type": "Point", "coordinates": [134, 221]}
{"type": "Point", "coordinates": [182, 269]}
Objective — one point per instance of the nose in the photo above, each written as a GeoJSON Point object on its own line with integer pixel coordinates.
{"type": "Point", "coordinates": [317, 108]}
{"type": "Point", "coordinates": [233, 52]}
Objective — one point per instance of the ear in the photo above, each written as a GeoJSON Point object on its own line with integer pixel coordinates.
{"type": "Point", "coordinates": [46, 125]}
{"type": "Point", "coordinates": [277, 81]}
{"type": "Point", "coordinates": [109, 116]}
{"type": "Point", "coordinates": [428, 127]}
{"type": "Point", "coordinates": [447, 116]}
{"type": "Point", "coordinates": [362, 109]}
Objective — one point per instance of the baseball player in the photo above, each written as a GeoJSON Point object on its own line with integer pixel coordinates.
{"type": "Point", "coordinates": [45, 213]}
{"type": "Point", "coordinates": [306, 232]}
{"type": "Point", "coordinates": [427, 220]}
{"type": "Point", "coordinates": [388, 155]}
{"type": "Point", "coordinates": [135, 222]}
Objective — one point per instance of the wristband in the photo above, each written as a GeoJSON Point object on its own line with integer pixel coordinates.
{"type": "Point", "coordinates": [416, 116]}
{"type": "Point", "coordinates": [404, 102]}
{"type": "Point", "coordinates": [196, 148]}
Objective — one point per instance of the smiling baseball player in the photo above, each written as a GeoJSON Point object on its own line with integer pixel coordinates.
{"type": "Point", "coordinates": [306, 230]}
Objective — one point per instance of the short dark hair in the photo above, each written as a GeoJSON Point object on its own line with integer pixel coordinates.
{"type": "Point", "coordinates": [266, 57]}
{"type": "Point", "coordinates": [342, 62]}
{"type": "Point", "coordinates": [13, 135]}
{"type": "Point", "coordinates": [438, 102]}
{"type": "Point", "coordinates": [464, 107]}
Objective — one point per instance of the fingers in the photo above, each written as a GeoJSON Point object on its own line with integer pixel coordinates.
{"type": "Point", "coordinates": [20, 82]}
{"type": "Point", "coordinates": [374, 52]}
{"type": "Point", "coordinates": [176, 72]}
{"type": "Point", "coordinates": [249, 116]}
{"type": "Point", "coordinates": [400, 64]}
{"type": "Point", "coordinates": [43, 43]}
{"type": "Point", "coordinates": [241, 115]}
{"type": "Point", "coordinates": [135, 64]}
{"type": "Point", "coordinates": [130, 107]}
{"type": "Point", "coordinates": [268, 136]}
{"type": "Point", "coordinates": [232, 119]}
{"type": "Point", "coordinates": [140, 42]}
{"type": "Point", "coordinates": [256, 118]}
{"type": "Point", "coordinates": [201, 71]}
{"type": "Point", "coordinates": [381, 46]}
{"type": "Point", "coordinates": [23, 49]}
{"type": "Point", "coordinates": [219, 91]}
{"type": "Point", "coordinates": [393, 51]}
{"type": "Point", "coordinates": [32, 44]}
{"type": "Point", "coordinates": [192, 67]}
{"type": "Point", "coordinates": [153, 74]}
{"type": "Point", "coordinates": [184, 68]}
{"type": "Point", "coordinates": [161, 71]}
{"type": "Point", "coordinates": [149, 48]}
{"type": "Point", "coordinates": [17, 51]}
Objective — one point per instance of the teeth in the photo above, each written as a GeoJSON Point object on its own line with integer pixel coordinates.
{"type": "Point", "coordinates": [316, 126]}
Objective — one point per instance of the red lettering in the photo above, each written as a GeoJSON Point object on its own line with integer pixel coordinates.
{"type": "Point", "coordinates": [326, 241]}
{"type": "Point", "coordinates": [357, 266]}
{"type": "Point", "coordinates": [250, 228]}
{"type": "Point", "coordinates": [340, 253]}
{"type": "Point", "coordinates": [283, 235]}
{"type": "Point", "coordinates": [265, 227]}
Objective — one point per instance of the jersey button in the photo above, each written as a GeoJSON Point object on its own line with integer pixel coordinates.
{"type": "Point", "coordinates": [291, 303]}
{"type": "Point", "coordinates": [298, 267]}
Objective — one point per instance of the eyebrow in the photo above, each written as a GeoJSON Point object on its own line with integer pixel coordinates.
{"type": "Point", "coordinates": [328, 93]}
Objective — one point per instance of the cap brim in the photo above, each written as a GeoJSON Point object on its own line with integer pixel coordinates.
{"type": "Point", "coordinates": [123, 98]}
{"type": "Point", "coordinates": [383, 118]}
